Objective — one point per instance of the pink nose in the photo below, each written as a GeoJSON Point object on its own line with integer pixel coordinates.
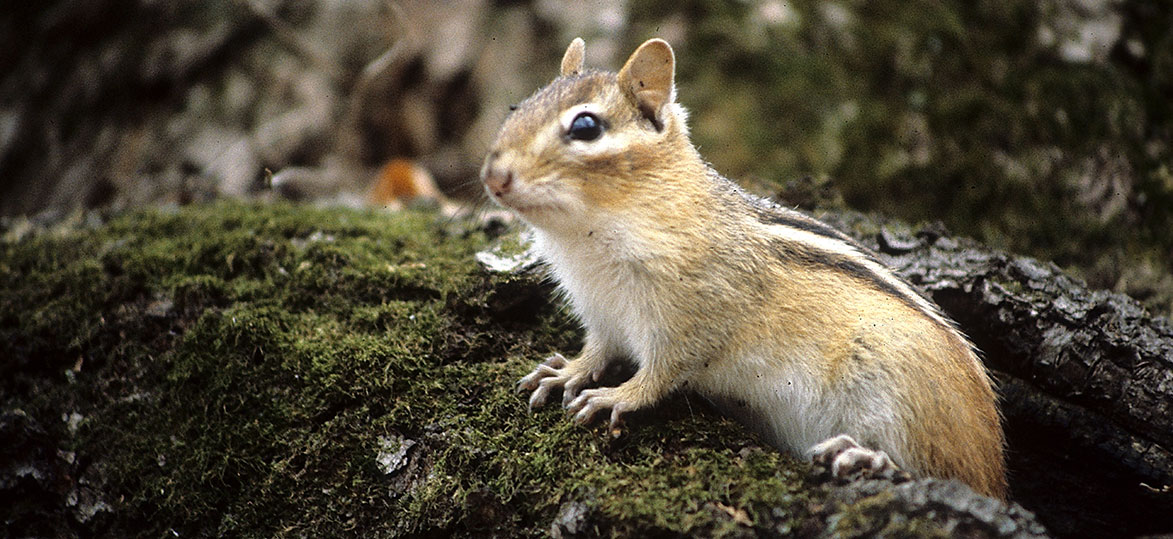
{"type": "Point", "coordinates": [498, 181]}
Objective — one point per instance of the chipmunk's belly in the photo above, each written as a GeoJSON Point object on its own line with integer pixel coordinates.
{"type": "Point", "coordinates": [783, 405]}
{"type": "Point", "coordinates": [794, 410]}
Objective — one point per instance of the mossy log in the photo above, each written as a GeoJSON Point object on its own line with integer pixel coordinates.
{"type": "Point", "coordinates": [274, 370]}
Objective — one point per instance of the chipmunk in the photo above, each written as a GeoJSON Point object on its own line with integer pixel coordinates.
{"type": "Point", "coordinates": [779, 319]}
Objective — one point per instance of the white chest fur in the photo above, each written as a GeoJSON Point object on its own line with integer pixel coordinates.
{"type": "Point", "coordinates": [607, 285]}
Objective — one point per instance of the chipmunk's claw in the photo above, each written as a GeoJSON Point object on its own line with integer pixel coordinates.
{"type": "Point", "coordinates": [547, 368]}
{"type": "Point", "coordinates": [591, 401]}
{"type": "Point", "coordinates": [616, 421]}
{"type": "Point", "coordinates": [556, 372]}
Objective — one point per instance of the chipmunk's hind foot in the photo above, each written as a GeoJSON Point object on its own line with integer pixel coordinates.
{"type": "Point", "coordinates": [847, 460]}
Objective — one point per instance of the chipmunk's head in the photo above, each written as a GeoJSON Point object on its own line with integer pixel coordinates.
{"type": "Point", "coordinates": [591, 144]}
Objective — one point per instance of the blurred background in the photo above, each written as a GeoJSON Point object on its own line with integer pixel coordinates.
{"type": "Point", "coordinates": [1039, 126]}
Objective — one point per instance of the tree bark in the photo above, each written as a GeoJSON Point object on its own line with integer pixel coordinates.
{"type": "Point", "coordinates": [1085, 377]}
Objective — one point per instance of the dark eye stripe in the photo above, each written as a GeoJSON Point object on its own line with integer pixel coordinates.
{"type": "Point", "coordinates": [585, 127]}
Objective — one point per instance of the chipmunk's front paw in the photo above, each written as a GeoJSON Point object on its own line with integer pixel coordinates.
{"type": "Point", "coordinates": [846, 459]}
{"type": "Point", "coordinates": [591, 401]}
{"type": "Point", "coordinates": [555, 372]}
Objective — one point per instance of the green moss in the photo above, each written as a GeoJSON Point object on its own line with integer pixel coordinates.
{"type": "Point", "coordinates": [240, 368]}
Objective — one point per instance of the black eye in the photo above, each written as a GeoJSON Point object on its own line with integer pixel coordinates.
{"type": "Point", "coordinates": [586, 126]}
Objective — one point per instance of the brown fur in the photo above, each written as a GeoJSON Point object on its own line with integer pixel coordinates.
{"type": "Point", "coordinates": [724, 289]}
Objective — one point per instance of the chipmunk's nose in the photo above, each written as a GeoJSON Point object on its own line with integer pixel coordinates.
{"type": "Point", "coordinates": [498, 180]}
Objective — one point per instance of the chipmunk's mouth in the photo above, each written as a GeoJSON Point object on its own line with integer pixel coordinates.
{"type": "Point", "coordinates": [533, 201]}
{"type": "Point", "coordinates": [525, 209]}
{"type": "Point", "coordinates": [529, 197]}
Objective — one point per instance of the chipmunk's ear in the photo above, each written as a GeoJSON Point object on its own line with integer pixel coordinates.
{"type": "Point", "coordinates": [647, 78]}
{"type": "Point", "coordinates": [572, 61]}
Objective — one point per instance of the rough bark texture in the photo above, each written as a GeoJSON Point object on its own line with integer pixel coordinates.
{"type": "Point", "coordinates": [1086, 377]}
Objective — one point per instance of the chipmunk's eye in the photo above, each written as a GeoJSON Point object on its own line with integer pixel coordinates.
{"type": "Point", "coordinates": [586, 126]}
